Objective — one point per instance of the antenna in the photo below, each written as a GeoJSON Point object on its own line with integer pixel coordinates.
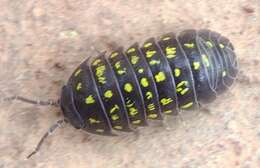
{"type": "Point", "coordinates": [36, 102]}
{"type": "Point", "coordinates": [58, 124]}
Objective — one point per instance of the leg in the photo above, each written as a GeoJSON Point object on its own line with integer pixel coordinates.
{"type": "Point", "coordinates": [49, 132]}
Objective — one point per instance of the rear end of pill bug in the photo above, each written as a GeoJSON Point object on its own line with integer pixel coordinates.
{"type": "Point", "coordinates": [199, 63]}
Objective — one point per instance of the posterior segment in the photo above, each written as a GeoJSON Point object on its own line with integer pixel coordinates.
{"type": "Point", "coordinates": [228, 56]}
{"type": "Point", "coordinates": [226, 64]}
{"type": "Point", "coordinates": [199, 63]}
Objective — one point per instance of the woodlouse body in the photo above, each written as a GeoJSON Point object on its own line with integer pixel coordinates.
{"type": "Point", "coordinates": [161, 77]}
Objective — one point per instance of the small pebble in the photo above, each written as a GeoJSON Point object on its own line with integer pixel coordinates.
{"type": "Point", "coordinates": [38, 12]}
{"type": "Point", "coordinates": [248, 9]}
{"type": "Point", "coordinates": [68, 34]}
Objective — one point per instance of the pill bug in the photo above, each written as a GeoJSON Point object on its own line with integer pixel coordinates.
{"type": "Point", "coordinates": [163, 76]}
{"type": "Point", "coordinates": [160, 77]}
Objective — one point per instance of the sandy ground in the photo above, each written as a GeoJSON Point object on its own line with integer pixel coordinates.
{"type": "Point", "coordinates": [41, 42]}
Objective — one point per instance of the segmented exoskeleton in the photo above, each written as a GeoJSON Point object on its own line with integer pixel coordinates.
{"type": "Point", "coordinates": [175, 72]}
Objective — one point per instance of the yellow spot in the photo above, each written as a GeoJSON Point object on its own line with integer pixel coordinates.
{"type": "Point", "coordinates": [121, 72]}
{"type": "Point", "coordinates": [100, 74]}
{"type": "Point", "coordinates": [130, 50]}
{"type": "Point", "coordinates": [129, 103]}
{"type": "Point", "coordinates": [153, 62]}
{"type": "Point", "coordinates": [113, 55]}
{"type": "Point", "coordinates": [152, 116]}
{"type": "Point", "coordinates": [170, 56]}
{"type": "Point", "coordinates": [96, 62]}
{"type": "Point", "coordinates": [149, 54]}
{"type": "Point", "coordinates": [114, 117]}
{"type": "Point", "coordinates": [67, 34]}
{"type": "Point", "coordinates": [189, 45]}
{"type": "Point", "coordinates": [151, 107]}
{"type": "Point", "coordinates": [165, 101]}
{"type": "Point", "coordinates": [114, 108]}
{"type": "Point", "coordinates": [77, 72]}
{"type": "Point", "coordinates": [133, 111]}
{"type": "Point", "coordinates": [118, 127]}
{"type": "Point", "coordinates": [160, 77]}
{"type": "Point", "coordinates": [221, 45]}
{"type": "Point", "coordinates": [90, 100]}
{"type": "Point", "coordinates": [209, 44]}
{"type": "Point", "coordinates": [147, 45]}
{"type": "Point", "coordinates": [144, 82]}
{"type": "Point", "coordinates": [187, 105]}
{"type": "Point", "coordinates": [170, 52]}
{"type": "Point", "coordinates": [102, 80]}
{"type": "Point", "coordinates": [196, 65]}
{"type": "Point", "coordinates": [108, 94]}
{"type": "Point", "coordinates": [149, 95]}
{"type": "Point", "coordinates": [205, 60]}
{"type": "Point", "coordinates": [166, 38]}
{"type": "Point", "coordinates": [136, 122]}
{"type": "Point", "coordinates": [224, 73]}
{"type": "Point", "coordinates": [128, 87]}
{"type": "Point", "coordinates": [185, 83]}
{"type": "Point", "coordinates": [134, 59]}
{"type": "Point", "coordinates": [168, 111]}
{"type": "Point", "coordinates": [141, 70]}
{"type": "Point", "coordinates": [100, 130]}
{"type": "Point", "coordinates": [79, 86]}
{"type": "Point", "coordinates": [179, 89]}
{"type": "Point", "coordinates": [177, 72]}
{"type": "Point", "coordinates": [184, 91]}
{"type": "Point", "coordinates": [93, 121]}
{"type": "Point", "coordinates": [117, 64]}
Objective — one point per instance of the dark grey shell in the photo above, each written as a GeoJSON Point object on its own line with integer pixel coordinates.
{"type": "Point", "coordinates": [175, 72]}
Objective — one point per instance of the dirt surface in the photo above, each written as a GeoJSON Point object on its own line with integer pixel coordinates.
{"type": "Point", "coordinates": [41, 42]}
